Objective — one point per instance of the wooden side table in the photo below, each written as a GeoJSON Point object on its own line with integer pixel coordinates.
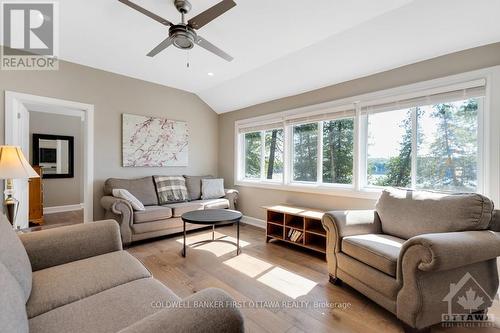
{"type": "Point", "coordinates": [296, 225]}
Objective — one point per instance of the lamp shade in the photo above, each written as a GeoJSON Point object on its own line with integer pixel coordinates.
{"type": "Point", "coordinates": [13, 165]}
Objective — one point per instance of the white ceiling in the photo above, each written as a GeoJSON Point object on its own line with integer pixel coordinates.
{"type": "Point", "coordinates": [281, 47]}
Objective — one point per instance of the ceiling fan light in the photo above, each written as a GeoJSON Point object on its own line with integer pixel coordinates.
{"type": "Point", "coordinates": [183, 43]}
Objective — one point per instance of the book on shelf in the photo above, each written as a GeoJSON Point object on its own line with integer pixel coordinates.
{"type": "Point", "coordinates": [295, 235]}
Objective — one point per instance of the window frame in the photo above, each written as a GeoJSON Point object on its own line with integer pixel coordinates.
{"type": "Point", "coordinates": [242, 157]}
{"type": "Point", "coordinates": [414, 148]}
{"type": "Point", "coordinates": [488, 134]}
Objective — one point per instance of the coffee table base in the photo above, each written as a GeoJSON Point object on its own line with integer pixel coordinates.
{"type": "Point", "coordinates": [237, 244]}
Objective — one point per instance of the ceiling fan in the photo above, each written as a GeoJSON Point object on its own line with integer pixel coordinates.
{"type": "Point", "coordinates": [183, 35]}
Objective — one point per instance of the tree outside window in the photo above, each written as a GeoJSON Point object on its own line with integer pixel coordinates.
{"type": "Point", "coordinates": [338, 140]}
{"type": "Point", "coordinates": [305, 152]}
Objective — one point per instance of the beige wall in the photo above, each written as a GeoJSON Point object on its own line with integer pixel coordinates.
{"type": "Point", "coordinates": [253, 198]}
{"type": "Point", "coordinates": [112, 95]}
{"type": "Point", "coordinates": [60, 191]}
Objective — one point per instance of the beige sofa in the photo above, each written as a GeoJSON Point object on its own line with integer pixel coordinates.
{"type": "Point", "coordinates": [78, 279]}
{"type": "Point", "coordinates": [156, 220]}
{"type": "Point", "coordinates": [411, 252]}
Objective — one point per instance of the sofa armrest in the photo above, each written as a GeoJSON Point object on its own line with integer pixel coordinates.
{"type": "Point", "coordinates": [116, 205]}
{"type": "Point", "coordinates": [122, 212]}
{"type": "Point", "coordinates": [444, 251]}
{"type": "Point", "coordinates": [339, 224]}
{"type": "Point", "coordinates": [232, 196]}
{"type": "Point", "coordinates": [210, 310]}
{"type": "Point", "coordinates": [57, 246]}
{"type": "Point", "coordinates": [350, 222]}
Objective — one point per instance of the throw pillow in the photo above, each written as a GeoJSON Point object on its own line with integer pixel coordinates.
{"type": "Point", "coordinates": [126, 195]}
{"type": "Point", "coordinates": [212, 188]}
{"type": "Point", "coordinates": [171, 189]}
{"type": "Point", "coordinates": [193, 184]}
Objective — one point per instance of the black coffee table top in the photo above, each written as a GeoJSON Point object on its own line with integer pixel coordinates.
{"type": "Point", "coordinates": [211, 216]}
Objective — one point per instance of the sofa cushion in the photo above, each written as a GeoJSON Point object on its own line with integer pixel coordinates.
{"type": "Point", "coordinates": [407, 213]}
{"type": "Point", "coordinates": [13, 317]}
{"type": "Point", "coordinates": [221, 203]}
{"type": "Point", "coordinates": [59, 285]}
{"type": "Point", "coordinates": [14, 257]}
{"type": "Point", "coordinates": [193, 185]}
{"type": "Point", "coordinates": [152, 213]}
{"type": "Point", "coordinates": [108, 311]}
{"type": "Point", "coordinates": [376, 250]}
{"type": "Point", "coordinates": [170, 189]}
{"type": "Point", "coordinates": [141, 188]}
{"type": "Point", "coordinates": [183, 207]}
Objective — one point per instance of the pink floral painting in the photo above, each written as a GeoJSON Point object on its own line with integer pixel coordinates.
{"type": "Point", "coordinates": [154, 142]}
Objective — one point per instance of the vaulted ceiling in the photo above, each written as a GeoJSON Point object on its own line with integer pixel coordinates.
{"type": "Point", "coordinates": [281, 47]}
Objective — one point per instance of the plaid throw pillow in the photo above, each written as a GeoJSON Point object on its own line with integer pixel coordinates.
{"type": "Point", "coordinates": [171, 189]}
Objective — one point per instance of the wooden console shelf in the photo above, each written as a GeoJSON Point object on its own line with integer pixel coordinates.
{"type": "Point", "coordinates": [296, 225]}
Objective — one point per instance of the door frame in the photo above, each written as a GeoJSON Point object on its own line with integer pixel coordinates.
{"type": "Point", "coordinates": [14, 104]}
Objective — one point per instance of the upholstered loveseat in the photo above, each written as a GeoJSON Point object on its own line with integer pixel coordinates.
{"type": "Point", "coordinates": [156, 220]}
{"type": "Point", "coordinates": [78, 279]}
{"type": "Point", "coordinates": [414, 249]}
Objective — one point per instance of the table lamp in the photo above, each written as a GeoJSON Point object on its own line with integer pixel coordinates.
{"type": "Point", "coordinates": [13, 165]}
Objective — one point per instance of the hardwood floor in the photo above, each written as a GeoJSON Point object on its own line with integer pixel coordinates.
{"type": "Point", "coordinates": [64, 218]}
{"type": "Point", "coordinates": [271, 273]}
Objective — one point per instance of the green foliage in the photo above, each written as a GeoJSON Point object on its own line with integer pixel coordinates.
{"type": "Point", "coordinates": [274, 154]}
{"type": "Point", "coordinates": [305, 152]}
{"type": "Point", "coordinates": [252, 154]}
{"type": "Point", "coordinates": [452, 162]}
{"type": "Point", "coordinates": [399, 167]}
{"type": "Point", "coordinates": [338, 139]}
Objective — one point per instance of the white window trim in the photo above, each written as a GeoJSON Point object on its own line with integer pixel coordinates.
{"type": "Point", "coordinates": [488, 136]}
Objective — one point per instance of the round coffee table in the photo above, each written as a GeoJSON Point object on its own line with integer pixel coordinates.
{"type": "Point", "coordinates": [212, 217]}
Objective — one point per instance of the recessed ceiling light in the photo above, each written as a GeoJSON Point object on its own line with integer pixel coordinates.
{"type": "Point", "coordinates": [210, 74]}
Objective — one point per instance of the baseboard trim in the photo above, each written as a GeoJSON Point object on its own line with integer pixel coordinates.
{"type": "Point", "coordinates": [253, 221]}
{"type": "Point", "coordinates": [61, 209]}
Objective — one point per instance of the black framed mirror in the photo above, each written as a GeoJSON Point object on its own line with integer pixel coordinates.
{"type": "Point", "coordinates": [54, 154]}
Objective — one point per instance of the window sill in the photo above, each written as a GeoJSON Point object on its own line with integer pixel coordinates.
{"type": "Point", "coordinates": [339, 191]}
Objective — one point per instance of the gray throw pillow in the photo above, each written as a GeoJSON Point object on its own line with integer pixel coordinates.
{"type": "Point", "coordinates": [171, 189]}
{"type": "Point", "coordinates": [193, 185]}
{"type": "Point", "coordinates": [212, 188]}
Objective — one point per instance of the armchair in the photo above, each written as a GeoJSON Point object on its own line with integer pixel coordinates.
{"type": "Point", "coordinates": [413, 252]}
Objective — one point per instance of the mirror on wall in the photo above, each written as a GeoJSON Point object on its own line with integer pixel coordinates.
{"type": "Point", "coordinates": [54, 154]}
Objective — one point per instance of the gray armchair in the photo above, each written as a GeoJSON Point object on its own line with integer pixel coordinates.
{"type": "Point", "coordinates": [413, 252]}
{"type": "Point", "coordinates": [78, 279]}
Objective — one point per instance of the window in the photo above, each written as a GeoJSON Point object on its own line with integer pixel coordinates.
{"type": "Point", "coordinates": [264, 164]}
{"type": "Point", "coordinates": [445, 137]}
{"type": "Point", "coordinates": [305, 152]}
{"type": "Point", "coordinates": [389, 148]}
{"type": "Point", "coordinates": [335, 154]}
{"type": "Point", "coordinates": [447, 148]}
{"type": "Point", "coordinates": [253, 151]}
{"type": "Point", "coordinates": [425, 140]}
{"type": "Point", "coordinates": [274, 164]}
{"type": "Point", "coordinates": [338, 149]}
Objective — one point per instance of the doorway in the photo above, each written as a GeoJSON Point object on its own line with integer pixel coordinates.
{"type": "Point", "coordinates": [18, 108]}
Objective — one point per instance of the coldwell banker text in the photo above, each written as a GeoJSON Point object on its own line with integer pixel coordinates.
{"type": "Point", "coordinates": [30, 36]}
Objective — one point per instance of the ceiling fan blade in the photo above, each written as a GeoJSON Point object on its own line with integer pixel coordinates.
{"type": "Point", "coordinates": [211, 14]}
{"type": "Point", "coordinates": [162, 46]}
{"type": "Point", "coordinates": [146, 12]}
{"type": "Point", "coordinates": [212, 48]}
